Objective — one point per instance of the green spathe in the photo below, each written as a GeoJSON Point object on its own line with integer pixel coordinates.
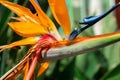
{"type": "Point", "coordinates": [86, 45]}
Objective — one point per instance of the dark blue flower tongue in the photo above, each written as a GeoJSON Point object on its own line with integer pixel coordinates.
{"type": "Point", "coordinates": [32, 8]}
{"type": "Point", "coordinates": [89, 21]}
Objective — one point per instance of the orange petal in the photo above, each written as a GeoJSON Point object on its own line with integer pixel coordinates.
{"type": "Point", "coordinates": [43, 68]}
{"type": "Point", "coordinates": [26, 29]}
{"type": "Point", "coordinates": [21, 11]}
{"type": "Point", "coordinates": [60, 13]}
{"type": "Point", "coordinates": [27, 41]}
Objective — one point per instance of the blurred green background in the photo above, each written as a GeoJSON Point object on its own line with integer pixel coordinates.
{"type": "Point", "coordinates": [102, 64]}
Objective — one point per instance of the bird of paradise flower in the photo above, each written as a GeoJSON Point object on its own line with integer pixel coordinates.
{"type": "Point", "coordinates": [40, 32]}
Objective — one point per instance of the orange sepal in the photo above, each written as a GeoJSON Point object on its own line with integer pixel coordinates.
{"type": "Point", "coordinates": [26, 69]}
{"type": "Point", "coordinates": [27, 41]}
{"type": "Point", "coordinates": [60, 13]}
{"type": "Point", "coordinates": [24, 13]}
{"type": "Point", "coordinates": [43, 68]}
{"type": "Point", "coordinates": [44, 19]}
{"type": "Point", "coordinates": [27, 29]}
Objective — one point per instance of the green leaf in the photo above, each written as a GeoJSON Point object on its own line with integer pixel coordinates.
{"type": "Point", "coordinates": [112, 54]}
{"type": "Point", "coordinates": [79, 75]}
{"type": "Point", "coordinates": [92, 66]}
{"type": "Point", "coordinates": [113, 74]}
{"type": "Point", "coordinates": [68, 72]}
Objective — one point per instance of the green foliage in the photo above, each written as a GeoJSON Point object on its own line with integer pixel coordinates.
{"type": "Point", "coordinates": [102, 64]}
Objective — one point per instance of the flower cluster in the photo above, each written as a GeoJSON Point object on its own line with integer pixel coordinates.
{"type": "Point", "coordinates": [38, 31]}
{"type": "Point", "coordinates": [41, 33]}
